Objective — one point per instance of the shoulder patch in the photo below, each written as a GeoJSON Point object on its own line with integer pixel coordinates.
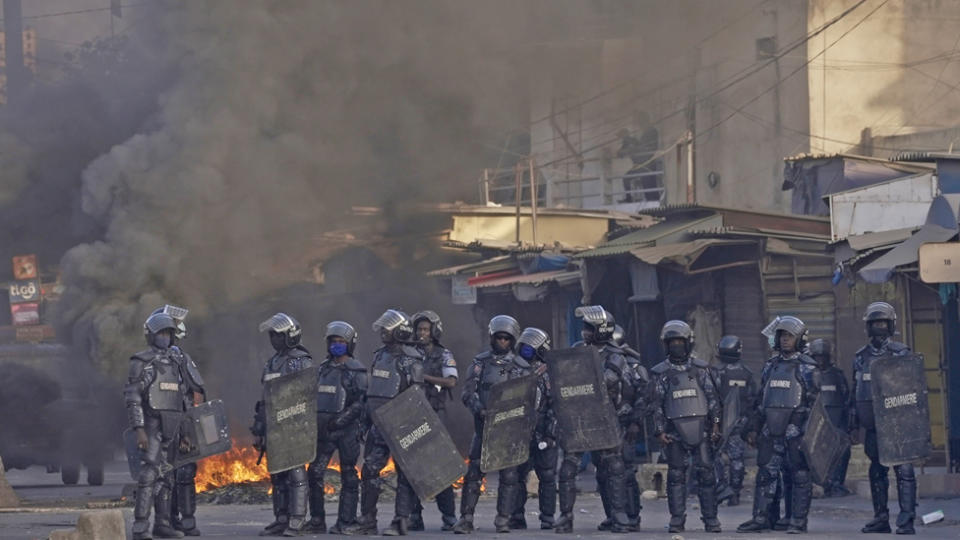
{"type": "Point", "coordinates": [485, 355]}
{"type": "Point", "coordinates": [898, 347]}
{"type": "Point", "coordinates": [145, 355]}
{"type": "Point", "coordinates": [699, 362]}
{"type": "Point", "coordinates": [412, 352]}
{"type": "Point", "coordinates": [298, 352]}
{"type": "Point", "coordinates": [862, 350]}
{"type": "Point", "coordinates": [805, 359]}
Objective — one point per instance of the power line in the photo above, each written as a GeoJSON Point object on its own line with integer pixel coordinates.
{"type": "Point", "coordinates": [743, 75]}
{"type": "Point", "coordinates": [792, 73]}
{"type": "Point", "coordinates": [80, 11]}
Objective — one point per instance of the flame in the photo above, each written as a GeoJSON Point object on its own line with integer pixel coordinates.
{"type": "Point", "coordinates": [458, 483]}
{"type": "Point", "coordinates": [239, 465]}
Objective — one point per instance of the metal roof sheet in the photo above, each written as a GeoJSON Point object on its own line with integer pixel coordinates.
{"type": "Point", "coordinates": [501, 262]}
{"type": "Point", "coordinates": [645, 237]}
{"type": "Point", "coordinates": [682, 253]}
{"type": "Point", "coordinates": [861, 242]}
{"type": "Point", "coordinates": [560, 276]}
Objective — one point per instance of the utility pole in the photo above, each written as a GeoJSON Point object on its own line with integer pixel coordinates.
{"type": "Point", "coordinates": [16, 72]}
{"type": "Point", "coordinates": [694, 62]}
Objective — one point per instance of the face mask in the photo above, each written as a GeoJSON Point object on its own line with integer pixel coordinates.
{"type": "Point", "coordinates": [337, 349]}
{"type": "Point", "coordinates": [527, 352]}
{"type": "Point", "coordinates": [278, 341]}
{"type": "Point", "coordinates": [162, 340]}
{"type": "Point", "coordinates": [677, 350]}
{"type": "Point", "coordinates": [879, 332]}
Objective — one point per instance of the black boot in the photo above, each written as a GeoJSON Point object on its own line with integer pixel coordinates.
{"type": "Point", "coordinates": [464, 525]}
{"type": "Point", "coordinates": [163, 506]}
{"type": "Point", "coordinates": [708, 508]}
{"type": "Point", "coordinates": [879, 487]}
{"type": "Point", "coordinates": [760, 522]}
{"type": "Point", "coordinates": [563, 525]}
{"type": "Point", "coordinates": [800, 502]}
{"type": "Point", "coordinates": [141, 512]}
{"type": "Point", "coordinates": [567, 497]}
{"type": "Point", "coordinates": [398, 527]}
{"type": "Point", "coordinates": [907, 495]}
{"type": "Point", "coordinates": [318, 522]}
{"type": "Point", "coordinates": [298, 502]}
{"type": "Point", "coordinates": [366, 525]}
{"type": "Point", "coordinates": [186, 504]}
{"type": "Point", "coordinates": [416, 522]}
{"type": "Point", "coordinates": [506, 500]}
{"type": "Point", "coordinates": [677, 499]}
{"type": "Point", "coordinates": [447, 504]}
{"type": "Point", "coordinates": [517, 522]}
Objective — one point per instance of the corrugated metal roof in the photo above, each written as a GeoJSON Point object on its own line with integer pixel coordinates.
{"type": "Point", "coordinates": [644, 237]}
{"type": "Point", "coordinates": [861, 242]}
{"type": "Point", "coordinates": [501, 262]}
{"type": "Point", "coordinates": [560, 276]}
{"type": "Point", "coordinates": [923, 157]}
{"type": "Point", "coordinates": [762, 233]}
{"type": "Point", "coordinates": [682, 253]}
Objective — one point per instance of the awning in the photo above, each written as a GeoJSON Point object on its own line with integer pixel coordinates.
{"type": "Point", "coordinates": [701, 255]}
{"type": "Point", "coordinates": [941, 226]}
{"type": "Point", "coordinates": [561, 277]}
{"type": "Point", "coordinates": [861, 242]}
{"type": "Point", "coordinates": [664, 231]}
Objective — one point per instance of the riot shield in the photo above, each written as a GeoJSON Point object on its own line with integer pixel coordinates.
{"type": "Point", "coordinates": [823, 444]}
{"type": "Point", "coordinates": [419, 442]}
{"type": "Point", "coordinates": [291, 409]}
{"type": "Point", "coordinates": [509, 423]}
{"type": "Point", "coordinates": [134, 455]}
{"type": "Point", "coordinates": [900, 409]}
{"type": "Point", "coordinates": [206, 432]}
{"type": "Point", "coordinates": [731, 411]}
{"type": "Point", "coordinates": [584, 413]}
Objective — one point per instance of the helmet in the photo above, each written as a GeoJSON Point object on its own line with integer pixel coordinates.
{"type": "Point", "coordinates": [436, 326]}
{"type": "Point", "coordinates": [730, 349]}
{"type": "Point", "coordinates": [156, 323]}
{"type": "Point", "coordinates": [677, 329]}
{"type": "Point", "coordinates": [282, 323]}
{"type": "Point", "coordinates": [792, 325]}
{"type": "Point", "coordinates": [600, 320]}
{"type": "Point", "coordinates": [881, 311]}
{"type": "Point", "coordinates": [505, 324]}
{"type": "Point", "coordinates": [820, 347]}
{"type": "Point", "coordinates": [618, 337]}
{"type": "Point", "coordinates": [536, 339]}
{"type": "Point", "coordinates": [178, 314]}
{"type": "Point", "coordinates": [397, 323]}
{"type": "Point", "coordinates": [344, 330]}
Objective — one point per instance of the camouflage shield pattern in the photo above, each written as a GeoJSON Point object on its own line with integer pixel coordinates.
{"type": "Point", "coordinates": [419, 442]}
{"type": "Point", "coordinates": [900, 409]}
{"type": "Point", "coordinates": [291, 410]}
{"type": "Point", "coordinates": [205, 431]}
{"type": "Point", "coordinates": [823, 444]}
{"type": "Point", "coordinates": [585, 415]}
{"type": "Point", "coordinates": [508, 426]}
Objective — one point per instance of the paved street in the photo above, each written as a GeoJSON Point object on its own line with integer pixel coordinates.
{"type": "Point", "coordinates": [52, 505]}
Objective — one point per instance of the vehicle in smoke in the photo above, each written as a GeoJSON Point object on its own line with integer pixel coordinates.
{"type": "Point", "coordinates": [54, 412]}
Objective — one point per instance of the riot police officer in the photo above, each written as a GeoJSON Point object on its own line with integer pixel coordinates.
{"type": "Point", "coordinates": [686, 417]}
{"type": "Point", "coordinates": [789, 387]}
{"type": "Point", "coordinates": [835, 394]}
{"type": "Point", "coordinates": [396, 367]}
{"type": "Point", "coordinates": [880, 320]}
{"type": "Point", "coordinates": [184, 496]}
{"type": "Point", "coordinates": [289, 487]}
{"type": "Point", "coordinates": [154, 397]}
{"type": "Point", "coordinates": [598, 327]}
{"type": "Point", "coordinates": [439, 376]}
{"type": "Point", "coordinates": [341, 389]}
{"type": "Point", "coordinates": [733, 376]}
{"type": "Point", "coordinates": [632, 425]}
{"type": "Point", "coordinates": [489, 368]}
{"type": "Point", "coordinates": [532, 346]}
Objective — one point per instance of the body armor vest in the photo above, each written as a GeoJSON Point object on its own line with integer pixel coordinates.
{"type": "Point", "coordinates": [165, 393]}
{"type": "Point", "coordinates": [331, 395]}
{"type": "Point", "coordinates": [831, 386]}
{"type": "Point", "coordinates": [385, 377]}
{"type": "Point", "coordinates": [497, 370]}
{"type": "Point", "coordinates": [685, 404]}
{"type": "Point", "coordinates": [781, 396]}
{"type": "Point", "coordinates": [433, 366]}
{"type": "Point", "coordinates": [864, 395]}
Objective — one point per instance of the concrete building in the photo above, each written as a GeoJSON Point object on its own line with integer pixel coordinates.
{"type": "Point", "coordinates": [731, 88]}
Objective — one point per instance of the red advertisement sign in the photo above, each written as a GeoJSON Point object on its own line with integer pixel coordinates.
{"type": "Point", "coordinates": [25, 314]}
{"type": "Point", "coordinates": [24, 267]}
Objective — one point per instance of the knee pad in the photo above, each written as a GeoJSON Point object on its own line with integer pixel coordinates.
{"type": "Point", "coordinates": [148, 475]}
{"type": "Point", "coordinates": [706, 476]}
{"type": "Point", "coordinates": [801, 478]}
{"type": "Point", "coordinates": [676, 475]}
{"type": "Point", "coordinates": [547, 476]}
{"type": "Point", "coordinates": [877, 471]}
{"type": "Point", "coordinates": [568, 469]}
{"type": "Point", "coordinates": [614, 466]}
{"type": "Point", "coordinates": [905, 472]}
{"type": "Point", "coordinates": [349, 479]}
{"type": "Point", "coordinates": [509, 476]}
{"type": "Point", "coordinates": [186, 474]}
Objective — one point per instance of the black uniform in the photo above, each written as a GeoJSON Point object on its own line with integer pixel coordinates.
{"type": "Point", "coordinates": [395, 368]}
{"type": "Point", "coordinates": [488, 369]}
{"type": "Point", "coordinates": [631, 422]}
{"type": "Point", "coordinates": [543, 456]}
{"type": "Point", "coordinates": [289, 487]}
{"type": "Point", "coordinates": [789, 387]}
{"type": "Point", "coordinates": [730, 472]}
{"type": "Point", "coordinates": [341, 391]}
{"type": "Point", "coordinates": [154, 397]}
{"type": "Point", "coordinates": [686, 407]}
{"type": "Point", "coordinates": [185, 495]}
{"type": "Point", "coordinates": [861, 415]}
{"type": "Point", "coordinates": [610, 470]}
{"type": "Point", "coordinates": [835, 394]}
{"type": "Point", "coordinates": [439, 362]}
